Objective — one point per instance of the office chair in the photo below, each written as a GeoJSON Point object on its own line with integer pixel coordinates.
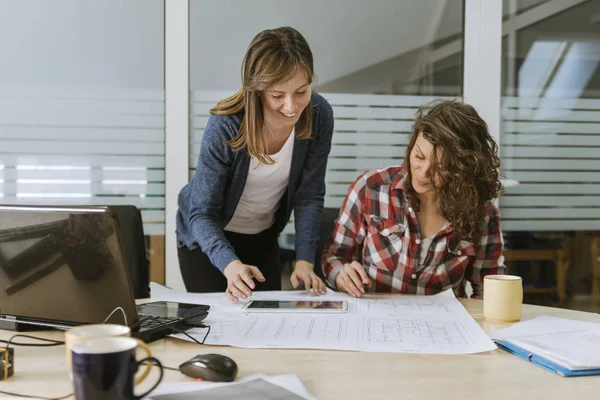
{"type": "Point", "coordinates": [327, 224]}
{"type": "Point", "coordinates": [596, 270]}
{"type": "Point", "coordinates": [288, 256]}
{"type": "Point", "coordinates": [131, 231]}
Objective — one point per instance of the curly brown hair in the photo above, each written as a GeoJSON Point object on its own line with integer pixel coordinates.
{"type": "Point", "coordinates": [465, 164]}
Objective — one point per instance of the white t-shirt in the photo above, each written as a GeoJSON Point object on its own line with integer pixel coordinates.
{"type": "Point", "coordinates": [265, 186]}
{"type": "Point", "coordinates": [425, 244]}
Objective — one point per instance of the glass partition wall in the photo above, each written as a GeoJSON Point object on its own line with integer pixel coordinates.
{"type": "Point", "coordinates": [550, 137]}
{"type": "Point", "coordinates": [82, 106]}
{"type": "Point", "coordinates": [375, 62]}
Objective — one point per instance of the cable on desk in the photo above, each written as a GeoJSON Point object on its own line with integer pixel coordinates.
{"type": "Point", "coordinates": [114, 311]}
{"type": "Point", "coordinates": [9, 342]}
{"type": "Point", "coordinates": [48, 343]}
{"type": "Point", "coordinates": [6, 361]}
{"type": "Point", "coordinates": [26, 396]}
{"type": "Point", "coordinates": [183, 331]}
{"type": "Point", "coordinates": [51, 342]}
{"type": "Point", "coordinates": [164, 366]}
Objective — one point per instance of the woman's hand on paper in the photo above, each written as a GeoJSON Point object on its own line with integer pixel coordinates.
{"type": "Point", "coordinates": [304, 272]}
{"type": "Point", "coordinates": [352, 278]}
{"type": "Point", "coordinates": [240, 279]}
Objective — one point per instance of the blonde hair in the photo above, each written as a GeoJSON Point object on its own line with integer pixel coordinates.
{"type": "Point", "coordinates": [273, 56]}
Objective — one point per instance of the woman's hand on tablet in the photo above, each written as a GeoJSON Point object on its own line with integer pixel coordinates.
{"type": "Point", "coordinates": [304, 272]}
{"type": "Point", "coordinates": [240, 279]}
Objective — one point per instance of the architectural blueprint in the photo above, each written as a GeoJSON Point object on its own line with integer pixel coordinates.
{"type": "Point", "coordinates": [436, 324]}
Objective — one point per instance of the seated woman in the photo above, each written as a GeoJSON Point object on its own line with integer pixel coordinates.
{"type": "Point", "coordinates": [429, 224]}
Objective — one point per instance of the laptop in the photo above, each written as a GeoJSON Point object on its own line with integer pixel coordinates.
{"type": "Point", "coordinates": [64, 266]}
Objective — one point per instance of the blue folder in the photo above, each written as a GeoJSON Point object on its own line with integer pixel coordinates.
{"type": "Point", "coordinates": [544, 362]}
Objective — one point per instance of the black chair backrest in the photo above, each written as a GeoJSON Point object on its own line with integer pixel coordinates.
{"type": "Point", "coordinates": [327, 224]}
{"type": "Point", "coordinates": [131, 231]}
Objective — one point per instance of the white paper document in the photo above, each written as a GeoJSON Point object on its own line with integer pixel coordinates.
{"type": "Point", "coordinates": [572, 344]}
{"type": "Point", "coordinates": [259, 387]}
{"type": "Point", "coordinates": [436, 324]}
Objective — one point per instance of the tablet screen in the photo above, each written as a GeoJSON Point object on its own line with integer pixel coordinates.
{"type": "Point", "coordinates": [295, 305]}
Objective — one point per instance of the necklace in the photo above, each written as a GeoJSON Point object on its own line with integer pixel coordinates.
{"type": "Point", "coordinates": [273, 135]}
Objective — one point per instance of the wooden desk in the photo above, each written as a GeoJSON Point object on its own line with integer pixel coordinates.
{"type": "Point", "coordinates": [349, 375]}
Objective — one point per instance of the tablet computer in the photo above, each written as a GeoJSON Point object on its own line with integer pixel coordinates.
{"type": "Point", "coordinates": [289, 306]}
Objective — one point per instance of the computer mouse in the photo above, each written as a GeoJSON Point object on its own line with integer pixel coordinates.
{"type": "Point", "coordinates": [210, 367]}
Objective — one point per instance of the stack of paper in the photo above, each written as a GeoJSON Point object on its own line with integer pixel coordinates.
{"type": "Point", "coordinates": [255, 387]}
{"type": "Point", "coordinates": [564, 346]}
{"type": "Point", "coordinates": [436, 324]}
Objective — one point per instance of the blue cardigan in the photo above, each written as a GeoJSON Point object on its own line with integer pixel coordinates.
{"type": "Point", "coordinates": [208, 201]}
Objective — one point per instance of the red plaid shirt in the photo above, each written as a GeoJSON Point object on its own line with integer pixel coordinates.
{"type": "Point", "coordinates": [378, 228]}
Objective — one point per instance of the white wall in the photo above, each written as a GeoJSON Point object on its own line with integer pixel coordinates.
{"type": "Point", "coordinates": [345, 35]}
{"type": "Point", "coordinates": [109, 43]}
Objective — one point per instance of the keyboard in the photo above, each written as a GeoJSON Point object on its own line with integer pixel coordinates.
{"type": "Point", "coordinates": [148, 322]}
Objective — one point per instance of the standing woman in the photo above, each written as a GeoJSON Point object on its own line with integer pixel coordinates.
{"type": "Point", "coordinates": [263, 154]}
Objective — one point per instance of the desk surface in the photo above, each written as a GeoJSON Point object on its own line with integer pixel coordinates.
{"type": "Point", "coordinates": [347, 375]}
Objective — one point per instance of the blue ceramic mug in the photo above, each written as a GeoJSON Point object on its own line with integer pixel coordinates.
{"type": "Point", "coordinates": [104, 369]}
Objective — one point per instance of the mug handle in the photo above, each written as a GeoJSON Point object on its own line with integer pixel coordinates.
{"type": "Point", "coordinates": [150, 361]}
{"type": "Point", "coordinates": [144, 375]}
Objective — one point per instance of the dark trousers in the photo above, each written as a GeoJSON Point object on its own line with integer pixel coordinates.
{"type": "Point", "coordinates": [260, 250]}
